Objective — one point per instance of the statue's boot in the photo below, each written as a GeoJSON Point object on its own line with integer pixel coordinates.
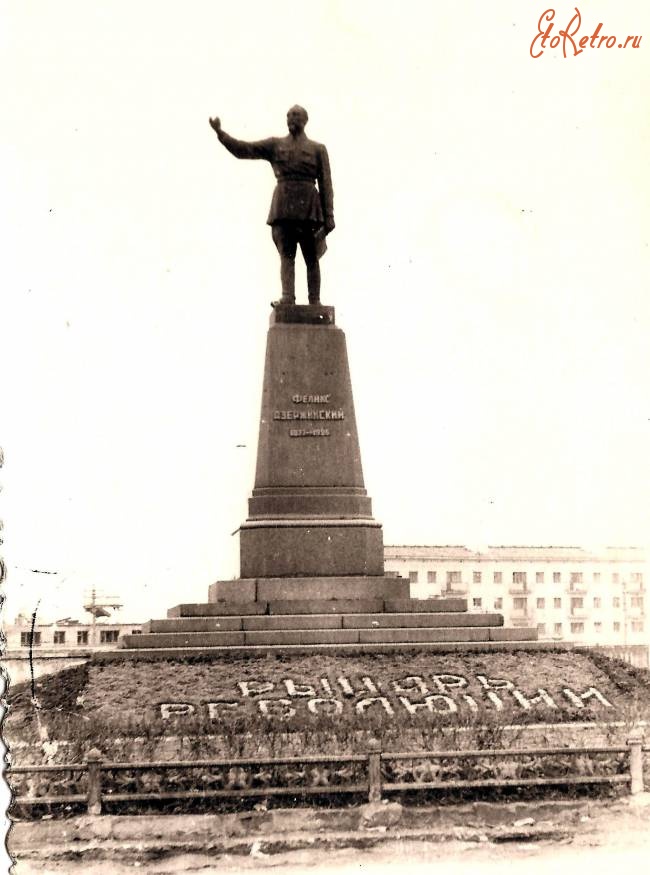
{"type": "Point", "coordinates": [285, 301]}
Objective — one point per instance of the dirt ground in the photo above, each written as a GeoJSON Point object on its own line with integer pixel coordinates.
{"type": "Point", "coordinates": [616, 834]}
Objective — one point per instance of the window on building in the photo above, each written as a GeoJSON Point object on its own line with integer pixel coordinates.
{"type": "Point", "coordinates": [82, 637]}
{"type": "Point", "coordinates": [576, 577]}
{"type": "Point", "coordinates": [557, 577]}
{"type": "Point", "coordinates": [557, 628]}
{"type": "Point", "coordinates": [596, 576]}
{"type": "Point", "coordinates": [637, 625]}
{"type": "Point", "coordinates": [616, 602]}
{"type": "Point", "coordinates": [498, 604]}
{"type": "Point", "coordinates": [636, 601]}
{"type": "Point", "coordinates": [413, 577]}
{"type": "Point", "coordinates": [577, 604]}
{"type": "Point", "coordinates": [136, 631]}
{"type": "Point", "coordinates": [577, 628]}
{"type": "Point", "coordinates": [476, 577]}
{"type": "Point", "coordinates": [431, 576]}
{"type": "Point", "coordinates": [539, 577]}
{"type": "Point", "coordinates": [597, 602]}
{"type": "Point", "coordinates": [519, 577]}
{"type": "Point", "coordinates": [477, 602]}
{"type": "Point", "coordinates": [541, 603]}
{"type": "Point", "coordinates": [453, 577]}
{"type": "Point", "coordinates": [498, 576]}
{"type": "Point", "coordinates": [616, 577]}
{"type": "Point", "coordinates": [59, 637]}
{"type": "Point", "coordinates": [108, 636]}
{"type": "Point", "coordinates": [636, 577]}
{"type": "Point", "coordinates": [598, 627]}
{"type": "Point", "coordinates": [617, 627]}
{"type": "Point", "coordinates": [519, 604]}
{"type": "Point", "coordinates": [26, 639]}
{"type": "Point", "coordinates": [541, 628]}
{"type": "Point", "coordinates": [557, 603]}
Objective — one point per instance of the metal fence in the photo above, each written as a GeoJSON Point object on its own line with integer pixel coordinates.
{"type": "Point", "coordinates": [373, 774]}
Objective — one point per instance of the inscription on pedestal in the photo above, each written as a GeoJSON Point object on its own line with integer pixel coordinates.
{"type": "Point", "coordinates": [310, 414]}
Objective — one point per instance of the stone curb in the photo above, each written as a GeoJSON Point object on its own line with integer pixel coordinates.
{"type": "Point", "coordinates": [298, 828]}
{"type": "Point", "coordinates": [268, 845]}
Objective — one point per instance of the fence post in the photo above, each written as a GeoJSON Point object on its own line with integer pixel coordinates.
{"type": "Point", "coordinates": [374, 770]}
{"type": "Point", "coordinates": [94, 760]}
{"type": "Point", "coordinates": [635, 743]}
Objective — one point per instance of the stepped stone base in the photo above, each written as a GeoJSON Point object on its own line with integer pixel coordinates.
{"type": "Point", "coordinates": [282, 636]}
{"type": "Point", "coordinates": [329, 623]}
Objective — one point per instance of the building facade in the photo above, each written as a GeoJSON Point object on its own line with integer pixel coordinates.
{"type": "Point", "coordinates": [595, 598]}
{"type": "Point", "coordinates": [57, 645]}
{"type": "Point", "coordinates": [66, 635]}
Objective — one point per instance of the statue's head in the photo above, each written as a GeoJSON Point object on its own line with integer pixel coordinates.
{"type": "Point", "coordinates": [297, 118]}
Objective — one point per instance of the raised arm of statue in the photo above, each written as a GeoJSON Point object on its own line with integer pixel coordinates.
{"type": "Point", "coordinates": [241, 148]}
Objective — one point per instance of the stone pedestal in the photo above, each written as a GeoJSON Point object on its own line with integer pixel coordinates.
{"type": "Point", "coordinates": [312, 556]}
{"type": "Point", "coordinates": [309, 514]}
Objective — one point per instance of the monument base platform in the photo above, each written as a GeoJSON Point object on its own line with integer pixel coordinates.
{"type": "Point", "coordinates": [358, 622]}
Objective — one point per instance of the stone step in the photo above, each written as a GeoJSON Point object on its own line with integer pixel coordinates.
{"type": "Point", "coordinates": [269, 589]}
{"type": "Point", "coordinates": [218, 609]}
{"type": "Point", "coordinates": [282, 637]}
{"type": "Point", "coordinates": [318, 606]}
{"type": "Point", "coordinates": [194, 624]}
{"type": "Point", "coordinates": [395, 636]}
{"type": "Point", "coordinates": [423, 606]}
{"type": "Point", "coordinates": [321, 621]}
{"type": "Point", "coordinates": [333, 606]}
{"type": "Point", "coordinates": [419, 620]}
{"type": "Point", "coordinates": [218, 652]}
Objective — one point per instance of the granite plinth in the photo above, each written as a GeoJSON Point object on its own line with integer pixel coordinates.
{"type": "Point", "coordinates": [311, 548]}
{"type": "Point", "coordinates": [302, 314]}
{"type": "Point", "coordinates": [309, 514]}
{"type": "Point", "coordinates": [267, 589]}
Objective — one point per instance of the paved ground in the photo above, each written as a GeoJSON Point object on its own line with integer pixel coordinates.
{"type": "Point", "coordinates": [614, 835]}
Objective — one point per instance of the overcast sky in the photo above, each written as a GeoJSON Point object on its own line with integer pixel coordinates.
{"type": "Point", "coordinates": [489, 267]}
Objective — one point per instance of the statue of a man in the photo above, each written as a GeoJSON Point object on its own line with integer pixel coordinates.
{"type": "Point", "coordinates": [300, 214]}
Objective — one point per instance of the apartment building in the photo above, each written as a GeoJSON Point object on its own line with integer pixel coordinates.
{"type": "Point", "coordinates": [66, 635]}
{"type": "Point", "coordinates": [568, 593]}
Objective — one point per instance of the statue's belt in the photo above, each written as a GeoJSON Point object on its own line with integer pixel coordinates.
{"type": "Point", "coordinates": [309, 179]}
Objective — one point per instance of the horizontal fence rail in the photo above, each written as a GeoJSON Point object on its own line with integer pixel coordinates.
{"type": "Point", "coordinates": [97, 781]}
